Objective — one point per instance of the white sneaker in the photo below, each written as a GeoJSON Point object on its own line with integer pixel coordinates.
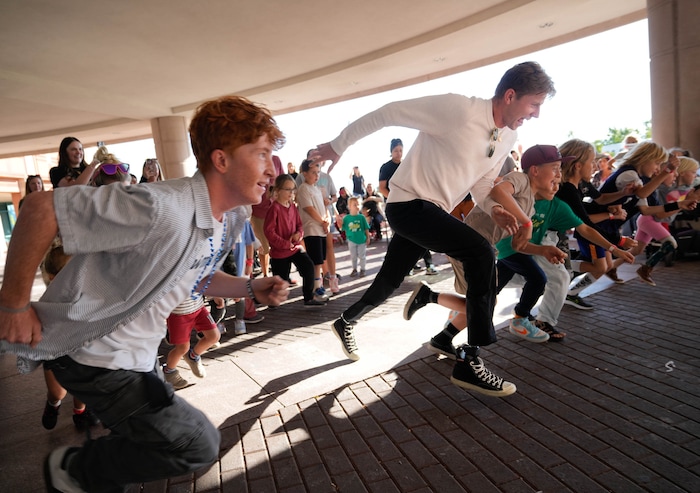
{"type": "Point", "coordinates": [56, 475]}
{"type": "Point", "coordinates": [196, 366]}
{"type": "Point", "coordinates": [239, 327]}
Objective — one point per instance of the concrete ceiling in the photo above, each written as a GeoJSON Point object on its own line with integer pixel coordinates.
{"type": "Point", "coordinates": [100, 70]}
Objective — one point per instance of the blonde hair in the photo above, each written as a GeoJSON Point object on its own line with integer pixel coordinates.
{"type": "Point", "coordinates": [643, 153]}
{"type": "Point", "coordinates": [687, 164]}
{"type": "Point", "coordinates": [54, 260]}
{"type": "Point", "coordinates": [355, 200]}
{"type": "Point", "coordinates": [102, 155]}
{"type": "Point", "coordinates": [578, 148]}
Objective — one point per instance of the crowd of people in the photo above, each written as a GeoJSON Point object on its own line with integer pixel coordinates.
{"type": "Point", "coordinates": [130, 262]}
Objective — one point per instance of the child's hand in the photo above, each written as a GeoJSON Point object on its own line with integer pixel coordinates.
{"type": "Point", "coordinates": [628, 242]}
{"type": "Point", "coordinates": [505, 220]}
{"type": "Point", "coordinates": [553, 254]}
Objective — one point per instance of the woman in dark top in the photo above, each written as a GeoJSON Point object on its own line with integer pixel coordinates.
{"type": "Point", "coordinates": [72, 168]}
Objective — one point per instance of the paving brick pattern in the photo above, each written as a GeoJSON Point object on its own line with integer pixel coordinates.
{"type": "Point", "coordinates": [615, 407]}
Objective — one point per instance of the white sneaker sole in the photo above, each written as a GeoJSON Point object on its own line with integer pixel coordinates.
{"type": "Point", "coordinates": [508, 388]}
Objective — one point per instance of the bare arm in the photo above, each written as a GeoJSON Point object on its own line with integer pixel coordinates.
{"type": "Point", "coordinates": [594, 237]}
{"type": "Point", "coordinates": [383, 189]}
{"type": "Point", "coordinates": [35, 230]}
{"type": "Point", "coordinates": [268, 290]}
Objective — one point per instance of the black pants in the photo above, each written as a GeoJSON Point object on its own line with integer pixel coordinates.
{"type": "Point", "coordinates": [418, 226]}
{"type": "Point", "coordinates": [155, 434]}
{"type": "Point", "coordinates": [305, 267]}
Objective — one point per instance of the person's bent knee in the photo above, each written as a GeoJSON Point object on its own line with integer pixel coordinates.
{"type": "Point", "coordinates": [201, 450]}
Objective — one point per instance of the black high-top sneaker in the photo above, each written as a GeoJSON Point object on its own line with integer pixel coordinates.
{"type": "Point", "coordinates": [344, 331]}
{"type": "Point", "coordinates": [470, 373]}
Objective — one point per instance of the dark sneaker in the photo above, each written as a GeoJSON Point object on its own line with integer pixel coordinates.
{"type": "Point", "coordinates": [437, 347]}
{"type": "Point", "coordinates": [315, 301]}
{"type": "Point", "coordinates": [578, 302]}
{"type": "Point", "coordinates": [56, 472]}
{"type": "Point", "coordinates": [612, 274]}
{"type": "Point", "coordinates": [554, 334]}
{"type": "Point", "coordinates": [217, 314]}
{"type": "Point", "coordinates": [255, 319]}
{"type": "Point", "coordinates": [418, 299]}
{"type": "Point", "coordinates": [345, 333]}
{"type": "Point", "coordinates": [644, 273]}
{"type": "Point", "coordinates": [431, 271]}
{"type": "Point", "coordinates": [50, 416]}
{"type": "Point", "coordinates": [85, 420]}
{"type": "Point", "coordinates": [470, 373]}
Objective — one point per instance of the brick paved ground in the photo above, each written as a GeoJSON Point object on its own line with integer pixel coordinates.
{"type": "Point", "coordinates": [615, 407]}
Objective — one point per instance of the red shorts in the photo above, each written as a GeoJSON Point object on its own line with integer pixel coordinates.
{"type": "Point", "coordinates": [180, 326]}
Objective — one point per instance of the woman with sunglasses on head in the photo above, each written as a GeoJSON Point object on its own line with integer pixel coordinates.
{"type": "Point", "coordinates": [111, 169]}
{"type": "Point", "coordinates": [151, 171]}
{"type": "Point", "coordinates": [72, 168]}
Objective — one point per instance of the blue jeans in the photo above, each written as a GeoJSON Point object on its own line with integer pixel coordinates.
{"type": "Point", "coordinates": [418, 226]}
{"type": "Point", "coordinates": [535, 280]}
{"type": "Point", "coordinates": [155, 434]}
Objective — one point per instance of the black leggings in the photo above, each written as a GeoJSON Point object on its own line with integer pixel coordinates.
{"type": "Point", "coordinates": [418, 226]}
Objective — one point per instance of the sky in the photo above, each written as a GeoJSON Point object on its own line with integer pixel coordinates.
{"type": "Point", "coordinates": [597, 88]}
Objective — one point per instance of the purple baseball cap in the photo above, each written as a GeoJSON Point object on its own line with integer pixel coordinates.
{"type": "Point", "coordinates": [542, 154]}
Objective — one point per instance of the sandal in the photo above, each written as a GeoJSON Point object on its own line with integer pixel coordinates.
{"type": "Point", "coordinates": [554, 334]}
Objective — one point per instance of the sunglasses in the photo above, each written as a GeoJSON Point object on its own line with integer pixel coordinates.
{"type": "Point", "coordinates": [111, 169]}
{"type": "Point", "coordinates": [492, 142]}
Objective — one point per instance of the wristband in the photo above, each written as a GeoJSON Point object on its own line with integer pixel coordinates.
{"type": "Point", "coordinates": [248, 261]}
{"type": "Point", "coordinates": [527, 224]}
{"type": "Point", "coordinates": [22, 309]}
{"type": "Point", "coordinates": [672, 206]}
{"type": "Point", "coordinates": [612, 216]}
{"type": "Point", "coordinates": [621, 243]}
{"type": "Point", "coordinates": [611, 248]}
{"type": "Point", "coordinates": [251, 294]}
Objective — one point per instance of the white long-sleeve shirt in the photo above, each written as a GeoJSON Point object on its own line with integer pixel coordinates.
{"type": "Point", "coordinates": [449, 158]}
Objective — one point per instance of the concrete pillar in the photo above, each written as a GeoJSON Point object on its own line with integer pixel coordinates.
{"type": "Point", "coordinates": [674, 50]}
{"type": "Point", "coordinates": [172, 143]}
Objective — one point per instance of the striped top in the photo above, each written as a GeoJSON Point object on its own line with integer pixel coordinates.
{"type": "Point", "coordinates": [131, 246]}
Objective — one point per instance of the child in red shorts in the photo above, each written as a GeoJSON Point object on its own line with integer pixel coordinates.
{"type": "Point", "coordinates": [191, 314]}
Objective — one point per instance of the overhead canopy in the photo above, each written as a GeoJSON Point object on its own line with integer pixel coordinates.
{"type": "Point", "coordinates": [103, 70]}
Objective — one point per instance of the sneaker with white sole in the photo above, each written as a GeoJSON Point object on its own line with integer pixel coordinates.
{"type": "Point", "coordinates": [435, 346]}
{"type": "Point", "coordinates": [346, 335]}
{"type": "Point", "coordinates": [431, 271]}
{"type": "Point", "coordinates": [195, 365]}
{"type": "Point", "coordinates": [320, 293]}
{"type": "Point", "coordinates": [578, 302]}
{"type": "Point", "coordinates": [56, 471]}
{"type": "Point", "coordinates": [239, 327]}
{"type": "Point", "coordinates": [525, 329]}
{"type": "Point", "coordinates": [418, 299]}
{"type": "Point", "coordinates": [470, 373]}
